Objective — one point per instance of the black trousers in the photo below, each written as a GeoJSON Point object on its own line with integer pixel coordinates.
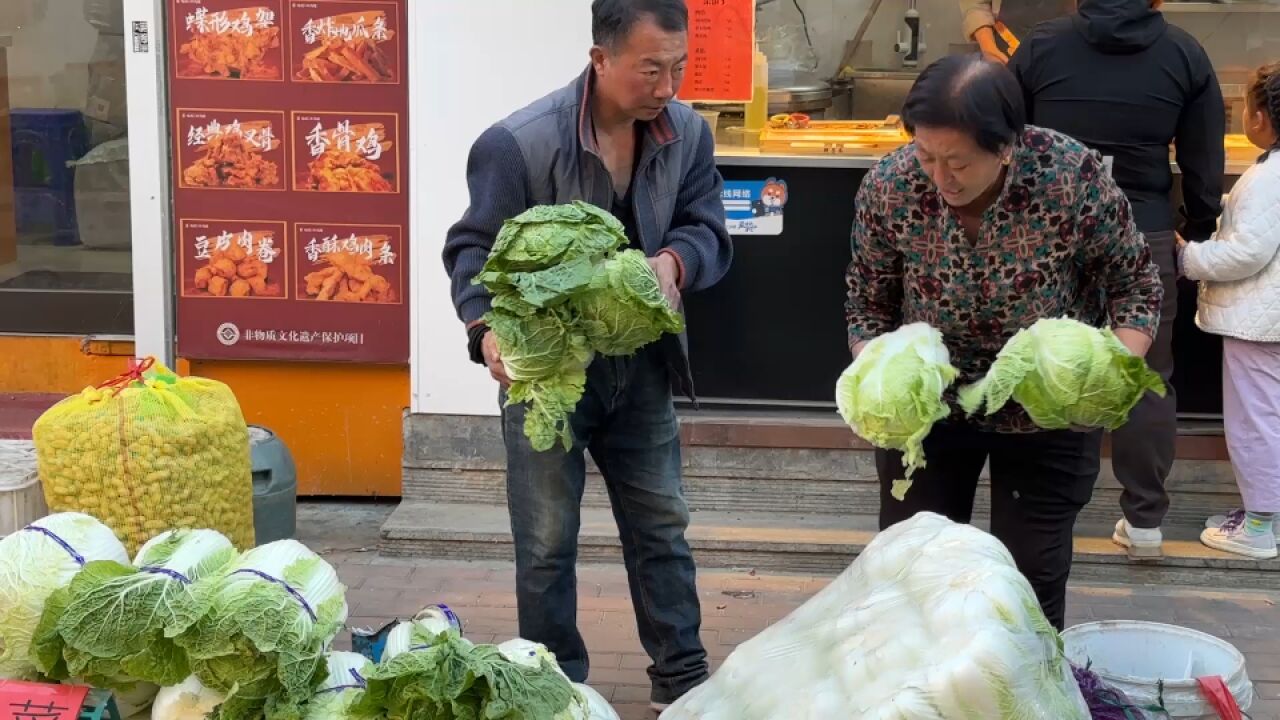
{"type": "Point", "coordinates": [1142, 451]}
{"type": "Point", "coordinates": [1039, 483]}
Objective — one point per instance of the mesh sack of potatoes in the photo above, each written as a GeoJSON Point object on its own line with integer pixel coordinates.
{"type": "Point", "coordinates": [148, 452]}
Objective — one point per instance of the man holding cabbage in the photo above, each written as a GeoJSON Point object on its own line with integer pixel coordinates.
{"type": "Point", "coordinates": [613, 139]}
{"type": "Point", "coordinates": [982, 228]}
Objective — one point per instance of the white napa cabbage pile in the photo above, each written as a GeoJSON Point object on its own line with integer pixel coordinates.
{"type": "Point", "coordinates": [932, 622]}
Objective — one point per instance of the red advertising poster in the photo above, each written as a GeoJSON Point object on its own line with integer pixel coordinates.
{"type": "Point", "coordinates": [721, 44]}
{"type": "Point", "coordinates": [290, 179]}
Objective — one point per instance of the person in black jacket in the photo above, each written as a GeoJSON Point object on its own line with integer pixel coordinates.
{"type": "Point", "coordinates": [1117, 77]}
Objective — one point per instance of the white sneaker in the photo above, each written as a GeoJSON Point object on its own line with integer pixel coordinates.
{"type": "Point", "coordinates": [1231, 537]}
{"type": "Point", "coordinates": [1217, 521]}
{"type": "Point", "coordinates": [1141, 544]}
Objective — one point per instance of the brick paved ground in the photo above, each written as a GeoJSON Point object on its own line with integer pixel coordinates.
{"type": "Point", "coordinates": [736, 606]}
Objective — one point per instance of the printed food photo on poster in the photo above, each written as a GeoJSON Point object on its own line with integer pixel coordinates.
{"type": "Point", "coordinates": [349, 263]}
{"type": "Point", "coordinates": [229, 259]}
{"type": "Point", "coordinates": [230, 149]}
{"type": "Point", "coordinates": [344, 42]}
{"type": "Point", "coordinates": [343, 152]}
{"type": "Point", "coordinates": [228, 40]}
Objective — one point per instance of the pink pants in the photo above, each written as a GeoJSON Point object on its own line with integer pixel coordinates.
{"type": "Point", "coordinates": [1251, 411]}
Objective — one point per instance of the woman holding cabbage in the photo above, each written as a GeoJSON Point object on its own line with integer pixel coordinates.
{"type": "Point", "coordinates": [979, 228]}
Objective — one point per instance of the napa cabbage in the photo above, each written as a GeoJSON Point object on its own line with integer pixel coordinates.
{"type": "Point", "coordinates": [1065, 374]}
{"type": "Point", "coordinates": [892, 394]}
{"type": "Point", "coordinates": [563, 292]}
{"type": "Point", "coordinates": [933, 621]}
{"type": "Point", "coordinates": [257, 630]}
{"type": "Point", "coordinates": [625, 309]}
{"type": "Point", "coordinates": [108, 626]}
{"type": "Point", "coordinates": [441, 676]}
{"type": "Point", "coordinates": [35, 562]}
{"type": "Point", "coordinates": [342, 688]}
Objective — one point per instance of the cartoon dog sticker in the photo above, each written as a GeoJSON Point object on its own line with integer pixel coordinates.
{"type": "Point", "coordinates": [773, 198]}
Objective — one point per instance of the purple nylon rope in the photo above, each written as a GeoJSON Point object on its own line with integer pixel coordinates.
{"type": "Point", "coordinates": [62, 543]}
{"type": "Point", "coordinates": [172, 574]}
{"type": "Point", "coordinates": [355, 675]}
{"type": "Point", "coordinates": [288, 588]}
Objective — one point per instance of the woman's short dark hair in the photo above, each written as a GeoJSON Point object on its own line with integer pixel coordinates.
{"type": "Point", "coordinates": [970, 94]}
{"type": "Point", "coordinates": [612, 20]}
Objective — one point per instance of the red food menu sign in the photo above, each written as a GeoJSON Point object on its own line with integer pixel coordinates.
{"type": "Point", "coordinates": [290, 180]}
{"type": "Point", "coordinates": [721, 46]}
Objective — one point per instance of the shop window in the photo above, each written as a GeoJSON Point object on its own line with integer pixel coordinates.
{"type": "Point", "coordinates": [65, 244]}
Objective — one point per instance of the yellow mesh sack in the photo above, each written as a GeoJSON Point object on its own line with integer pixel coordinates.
{"type": "Point", "coordinates": [150, 452]}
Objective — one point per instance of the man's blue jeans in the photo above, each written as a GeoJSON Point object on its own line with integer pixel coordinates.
{"type": "Point", "coordinates": [627, 422]}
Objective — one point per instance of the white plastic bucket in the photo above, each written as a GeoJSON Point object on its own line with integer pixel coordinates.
{"type": "Point", "coordinates": [1135, 657]}
{"type": "Point", "coordinates": [21, 497]}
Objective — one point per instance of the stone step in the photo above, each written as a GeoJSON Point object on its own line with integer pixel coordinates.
{"type": "Point", "coordinates": [791, 543]}
{"type": "Point", "coordinates": [1195, 488]}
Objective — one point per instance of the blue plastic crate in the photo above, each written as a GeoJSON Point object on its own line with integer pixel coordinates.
{"type": "Point", "coordinates": [44, 141]}
{"type": "Point", "coordinates": [41, 211]}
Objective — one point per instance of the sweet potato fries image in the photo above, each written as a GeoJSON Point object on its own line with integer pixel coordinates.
{"type": "Point", "coordinates": [235, 272]}
{"type": "Point", "coordinates": [233, 52]}
{"type": "Point", "coordinates": [350, 278]}
{"type": "Point", "coordinates": [354, 58]}
{"type": "Point", "coordinates": [229, 160]}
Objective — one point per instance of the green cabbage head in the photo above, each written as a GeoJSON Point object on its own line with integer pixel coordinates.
{"type": "Point", "coordinates": [626, 310]}
{"type": "Point", "coordinates": [892, 394]}
{"type": "Point", "coordinates": [1066, 375]}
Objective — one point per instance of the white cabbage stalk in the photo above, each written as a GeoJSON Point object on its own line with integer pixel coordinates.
{"type": "Point", "coordinates": [36, 561]}
{"type": "Point", "coordinates": [528, 653]}
{"type": "Point", "coordinates": [931, 622]}
{"type": "Point", "coordinates": [416, 634]}
{"type": "Point", "coordinates": [136, 700]}
{"type": "Point", "coordinates": [188, 700]}
{"type": "Point", "coordinates": [346, 683]}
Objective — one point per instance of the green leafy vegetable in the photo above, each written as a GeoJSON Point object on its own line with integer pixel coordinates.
{"type": "Point", "coordinates": [562, 292]}
{"type": "Point", "coordinates": [549, 235]}
{"type": "Point", "coordinates": [257, 630]}
{"type": "Point", "coordinates": [34, 563]}
{"type": "Point", "coordinates": [1066, 375]}
{"type": "Point", "coordinates": [892, 394]}
{"type": "Point", "coordinates": [109, 628]}
{"type": "Point", "coordinates": [443, 677]}
{"type": "Point", "coordinates": [625, 309]}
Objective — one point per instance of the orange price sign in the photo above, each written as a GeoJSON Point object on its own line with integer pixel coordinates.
{"type": "Point", "coordinates": [721, 45]}
{"type": "Point", "coordinates": [38, 701]}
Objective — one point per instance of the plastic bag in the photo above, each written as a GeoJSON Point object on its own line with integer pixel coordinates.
{"type": "Point", "coordinates": [102, 196]}
{"type": "Point", "coordinates": [150, 452]}
{"type": "Point", "coordinates": [933, 621]}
